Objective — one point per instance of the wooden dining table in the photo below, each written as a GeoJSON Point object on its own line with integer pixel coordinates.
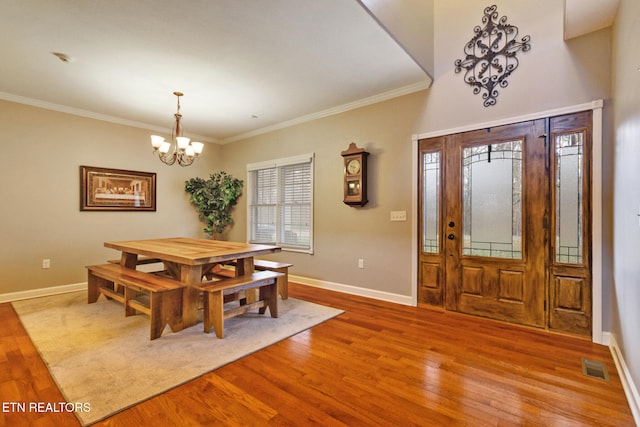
{"type": "Point", "coordinates": [188, 259]}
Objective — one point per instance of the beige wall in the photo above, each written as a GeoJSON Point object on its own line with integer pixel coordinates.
{"type": "Point", "coordinates": [345, 234]}
{"type": "Point", "coordinates": [39, 211]}
{"type": "Point", "coordinates": [626, 303]}
{"type": "Point", "coordinates": [553, 74]}
{"type": "Point", "coordinates": [42, 150]}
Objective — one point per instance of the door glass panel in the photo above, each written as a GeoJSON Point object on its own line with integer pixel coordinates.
{"type": "Point", "coordinates": [492, 200]}
{"type": "Point", "coordinates": [431, 202]}
{"type": "Point", "coordinates": [568, 195]}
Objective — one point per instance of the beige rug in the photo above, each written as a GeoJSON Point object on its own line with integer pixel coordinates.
{"type": "Point", "coordinates": [104, 362]}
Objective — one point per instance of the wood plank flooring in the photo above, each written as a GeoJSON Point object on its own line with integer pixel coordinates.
{"type": "Point", "coordinates": [378, 364]}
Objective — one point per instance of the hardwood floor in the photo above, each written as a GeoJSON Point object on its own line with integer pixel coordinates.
{"type": "Point", "coordinates": [378, 364]}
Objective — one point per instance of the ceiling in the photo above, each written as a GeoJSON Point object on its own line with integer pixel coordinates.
{"type": "Point", "coordinates": [585, 16]}
{"type": "Point", "coordinates": [244, 66]}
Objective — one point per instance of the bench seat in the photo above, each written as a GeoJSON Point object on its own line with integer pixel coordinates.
{"type": "Point", "coordinates": [215, 292]}
{"type": "Point", "coordinates": [126, 285]}
{"type": "Point", "coordinates": [278, 267]}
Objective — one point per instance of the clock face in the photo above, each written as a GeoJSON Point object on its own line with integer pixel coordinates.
{"type": "Point", "coordinates": [353, 166]}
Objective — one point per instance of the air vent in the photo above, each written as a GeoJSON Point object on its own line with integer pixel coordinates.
{"type": "Point", "coordinates": [594, 369]}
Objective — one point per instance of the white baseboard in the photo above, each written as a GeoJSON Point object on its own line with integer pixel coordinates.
{"type": "Point", "coordinates": [347, 289]}
{"type": "Point", "coordinates": [630, 389]}
{"type": "Point", "coordinates": [353, 290]}
{"type": "Point", "coordinates": [43, 292]}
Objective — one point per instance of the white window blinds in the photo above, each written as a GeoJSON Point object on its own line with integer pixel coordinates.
{"type": "Point", "coordinates": [281, 203]}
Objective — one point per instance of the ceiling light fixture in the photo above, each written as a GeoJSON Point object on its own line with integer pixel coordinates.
{"type": "Point", "coordinates": [180, 149]}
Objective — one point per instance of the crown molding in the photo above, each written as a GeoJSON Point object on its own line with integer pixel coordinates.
{"type": "Point", "coordinates": [405, 90]}
{"type": "Point", "coordinates": [93, 115]}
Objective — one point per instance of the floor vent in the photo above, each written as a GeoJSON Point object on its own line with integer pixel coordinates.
{"type": "Point", "coordinates": [594, 369]}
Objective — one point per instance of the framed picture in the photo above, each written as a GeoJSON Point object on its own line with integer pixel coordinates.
{"type": "Point", "coordinates": [104, 189]}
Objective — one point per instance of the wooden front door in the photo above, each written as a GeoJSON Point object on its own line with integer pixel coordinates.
{"type": "Point", "coordinates": [490, 223]}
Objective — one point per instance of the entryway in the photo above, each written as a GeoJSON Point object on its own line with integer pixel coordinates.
{"type": "Point", "coordinates": [504, 223]}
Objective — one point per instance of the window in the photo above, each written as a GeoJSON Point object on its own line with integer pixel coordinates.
{"type": "Point", "coordinates": [281, 203]}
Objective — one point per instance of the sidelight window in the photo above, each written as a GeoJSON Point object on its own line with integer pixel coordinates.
{"type": "Point", "coordinates": [569, 176]}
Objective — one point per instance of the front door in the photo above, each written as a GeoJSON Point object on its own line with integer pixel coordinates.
{"type": "Point", "coordinates": [488, 221]}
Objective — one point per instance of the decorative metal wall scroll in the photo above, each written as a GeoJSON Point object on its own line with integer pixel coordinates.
{"type": "Point", "coordinates": [490, 56]}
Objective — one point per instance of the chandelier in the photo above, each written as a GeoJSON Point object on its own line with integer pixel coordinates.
{"type": "Point", "coordinates": [180, 149]}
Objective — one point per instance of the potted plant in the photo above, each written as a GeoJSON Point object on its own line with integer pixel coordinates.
{"type": "Point", "coordinates": [214, 199]}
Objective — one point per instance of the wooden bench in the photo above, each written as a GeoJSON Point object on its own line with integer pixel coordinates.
{"type": "Point", "coordinates": [215, 291]}
{"type": "Point", "coordinates": [278, 267]}
{"type": "Point", "coordinates": [127, 286]}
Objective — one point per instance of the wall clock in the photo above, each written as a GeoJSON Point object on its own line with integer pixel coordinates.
{"type": "Point", "coordinates": [355, 175]}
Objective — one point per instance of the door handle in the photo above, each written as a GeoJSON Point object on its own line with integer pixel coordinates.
{"type": "Point", "coordinates": [452, 224]}
{"type": "Point", "coordinates": [451, 237]}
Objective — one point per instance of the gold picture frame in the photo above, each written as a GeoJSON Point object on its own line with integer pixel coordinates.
{"type": "Point", "coordinates": [103, 189]}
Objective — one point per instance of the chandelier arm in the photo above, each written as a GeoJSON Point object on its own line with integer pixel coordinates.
{"type": "Point", "coordinates": [168, 159]}
{"type": "Point", "coordinates": [184, 160]}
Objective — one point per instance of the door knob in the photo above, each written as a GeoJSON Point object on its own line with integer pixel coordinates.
{"type": "Point", "coordinates": [452, 224]}
{"type": "Point", "coordinates": [451, 237]}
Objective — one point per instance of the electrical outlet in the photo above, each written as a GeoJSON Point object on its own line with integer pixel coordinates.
{"type": "Point", "coordinates": [360, 263]}
{"type": "Point", "coordinates": [46, 263]}
{"type": "Point", "coordinates": [398, 215]}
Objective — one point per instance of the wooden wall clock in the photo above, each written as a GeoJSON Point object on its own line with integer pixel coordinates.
{"type": "Point", "coordinates": [355, 175]}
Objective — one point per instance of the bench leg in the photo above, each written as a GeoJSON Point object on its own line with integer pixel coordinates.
{"type": "Point", "coordinates": [93, 286]}
{"type": "Point", "coordinates": [129, 294]}
{"type": "Point", "coordinates": [214, 313]}
{"type": "Point", "coordinates": [156, 321]}
{"type": "Point", "coordinates": [172, 309]}
{"type": "Point", "coordinates": [283, 282]}
{"type": "Point", "coordinates": [269, 294]}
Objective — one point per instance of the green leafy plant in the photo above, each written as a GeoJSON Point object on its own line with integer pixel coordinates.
{"type": "Point", "coordinates": [214, 199]}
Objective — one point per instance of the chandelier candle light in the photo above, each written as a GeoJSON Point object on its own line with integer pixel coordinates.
{"type": "Point", "coordinates": [180, 149]}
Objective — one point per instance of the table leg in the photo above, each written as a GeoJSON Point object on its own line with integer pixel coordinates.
{"type": "Point", "coordinates": [173, 269]}
{"type": "Point", "coordinates": [190, 275]}
{"type": "Point", "coordinates": [129, 260]}
{"type": "Point", "coordinates": [244, 266]}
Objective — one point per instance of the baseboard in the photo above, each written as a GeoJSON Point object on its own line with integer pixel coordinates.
{"type": "Point", "coordinates": [43, 292]}
{"type": "Point", "coordinates": [629, 386]}
{"type": "Point", "coordinates": [353, 290]}
{"type": "Point", "coordinates": [348, 289]}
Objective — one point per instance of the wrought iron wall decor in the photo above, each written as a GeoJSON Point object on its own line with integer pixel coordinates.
{"type": "Point", "coordinates": [490, 56]}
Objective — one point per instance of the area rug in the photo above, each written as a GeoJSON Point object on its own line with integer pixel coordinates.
{"type": "Point", "coordinates": [104, 362]}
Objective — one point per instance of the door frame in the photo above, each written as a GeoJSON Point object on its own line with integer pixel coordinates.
{"type": "Point", "coordinates": [597, 334]}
